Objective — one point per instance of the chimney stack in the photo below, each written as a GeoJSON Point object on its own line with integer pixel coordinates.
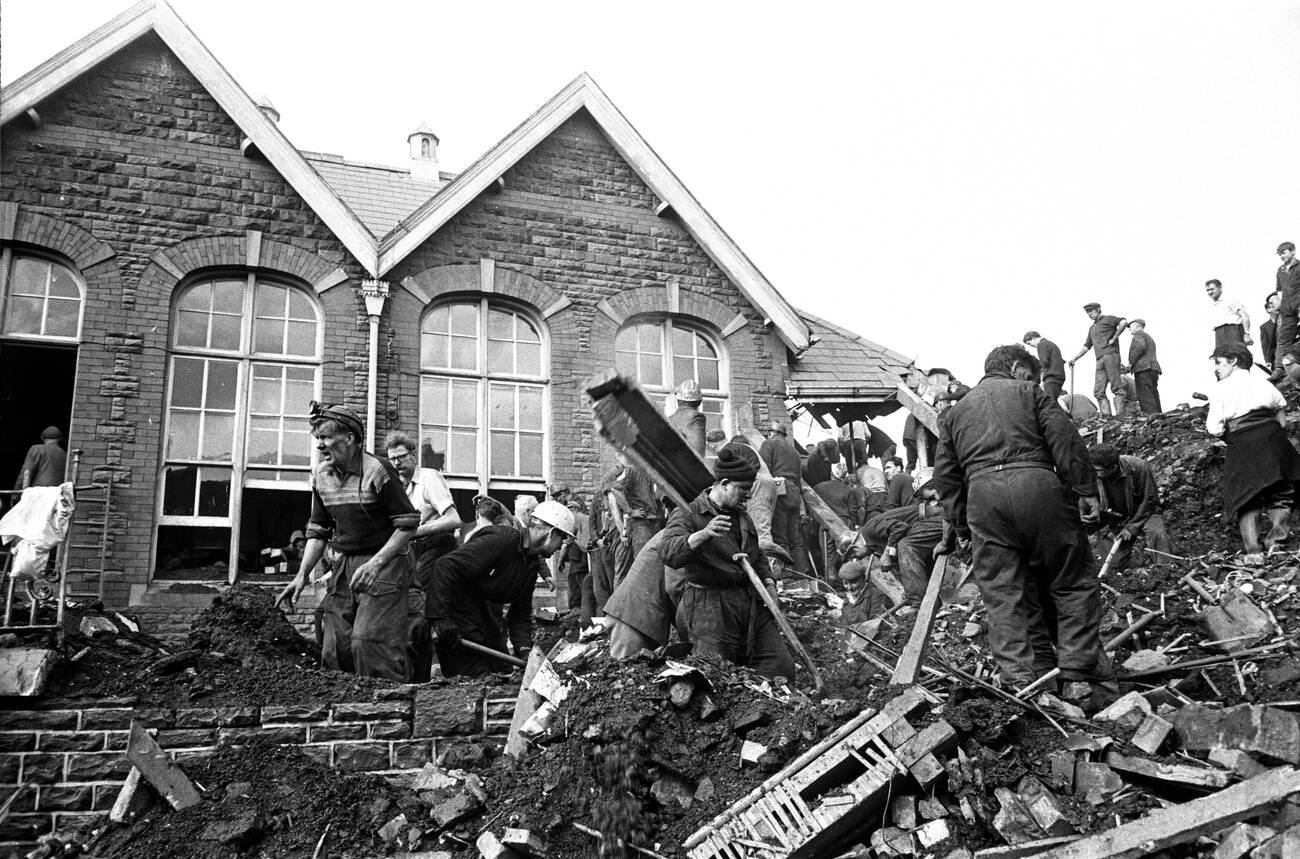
{"type": "Point", "coordinates": [424, 153]}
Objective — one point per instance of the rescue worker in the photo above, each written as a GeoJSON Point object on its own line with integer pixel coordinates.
{"type": "Point", "coordinates": [1015, 478]}
{"type": "Point", "coordinates": [1103, 339]}
{"type": "Point", "coordinates": [1130, 505]}
{"type": "Point", "coordinates": [688, 420]}
{"type": "Point", "coordinates": [900, 491]}
{"type": "Point", "coordinates": [906, 538]}
{"type": "Point", "coordinates": [1052, 361]}
{"type": "Point", "coordinates": [717, 606]}
{"type": "Point", "coordinates": [1261, 466]}
{"type": "Point", "coordinates": [359, 508]}
{"type": "Point", "coordinates": [783, 460]}
{"type": "Point", "coordinates": [434, 537]}
{"type": "Point", "coordinates": [46, 463]}
{"type": "Point", "coordinates": [499, 565]}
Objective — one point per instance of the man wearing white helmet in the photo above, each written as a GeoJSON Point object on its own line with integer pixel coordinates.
{"type": "Point", "coordinates": [499, 566]}
{"type": "Point", "coordinates": [688, 420]}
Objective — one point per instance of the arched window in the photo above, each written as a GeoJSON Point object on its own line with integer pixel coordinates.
{"type": "Point", "coordinates": [236, 449]}
{"type": "Point", "coordinates": [483, 395]}
{"type": "Point", "coordinates": [664, 352]}
{"type": "Point", "coordinates": [42, 298]}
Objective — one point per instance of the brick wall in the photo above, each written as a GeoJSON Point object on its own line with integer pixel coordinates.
{"type": "Point", "coordinates": [70, 763]}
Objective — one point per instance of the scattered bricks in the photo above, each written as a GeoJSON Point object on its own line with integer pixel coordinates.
{"type": "Point", "coordinates": [1043, 807]}
{"type": "Point", "coordinates": [360, 757]}
{"type": "Point", "coordinates": [295, 713]}
{"type": "Point", "coordinates": [490, 847]}
{"type": "Point", "coordinates": [44, 769]}
{"type": "Point", "coordinates": [1151, 734]}
{"type": "Point", "coordinates": [1013, 821]}
{"type": "Point", "coordinates": [409, 754]}
{"type": "Point", "coordinates": [108, 719]}
{"type": "Point", "coordinates": [933, 833]}
{"type": "Point", "coordinates": [1196, 727]}
{"type": "Point", "coordinates": [42, 720]}
{"type": "Point", "coordinates": [1270, 734]}
{"type": "Point", "coordinates": [441, 711]}
{"type": "Point", "coordinates": [455, 808]}
{"type": "Point", "coordinates": [892, 841]}
{"type": "Point", "coordinates": [1238, 761]}
{"type": "Point", "coordinates": [380, 710]}
{"type": "Point", "coordinates": [78, 797]}
{"type": "Point", "coordinates": [25, 670]}
{"type": "Point", "coordinates": [389, 831]}
{"type": "Point", "coordinates": [329, 733]}
{"type": "Point", "coordinates": [179, 738]}
{"type": "Point", "coordinates": [1127, 712]}
{"type": "Point", "coordinates": [524, 841]}
{"type": "Point", "coordinates": [1062, 764]}
{"type": "Point", "coordinates": [17, 741]}
{"type": "Point", "coordinates": [902, 810]}
{"type": "Point", "coordinates": [103, 766]}
{"type": "Point", "coordinates": [396, 729]}
{"type": "Point", "coordinates": [1095, 781]}
{"type": "Point", "coordinates": [285, 735]}
{"type": "Point", "coordinates": [213, 717]}
{"type": "Point", "coordinates": [25, 827]}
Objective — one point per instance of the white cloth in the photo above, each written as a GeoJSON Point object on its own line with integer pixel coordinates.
{"type": "Point", "coordinates": [1238, 394]}
{"type": "Point", "coordinates": [1227, 311]}
{"type": "Point", "coordinates": [429, 494]}
{"type": "Point", "coordinates": [37, 523]}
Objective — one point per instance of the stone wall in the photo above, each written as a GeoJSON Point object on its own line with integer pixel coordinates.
{"type": "Point", "coordinates": [68, 760]}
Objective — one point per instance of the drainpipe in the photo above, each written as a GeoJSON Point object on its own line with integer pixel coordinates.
{"type": "Point", "coordinates": [375, 293]}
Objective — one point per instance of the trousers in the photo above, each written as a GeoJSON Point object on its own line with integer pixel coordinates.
{"type": "Point", "coordinates": [787, 531]}
{"type": "Point", "coordinates": [367, 633]}
{"type": "Point", "coordinates": [1033, 567]}
{"type": "Point", "coordinates": [916, 557]}
{"type": "Point", "coordinates": [1108, 374]}
{"type": "Point", "coordinates": [733, 624]}
{"type": "Point", "coordinates": [1148, 391]}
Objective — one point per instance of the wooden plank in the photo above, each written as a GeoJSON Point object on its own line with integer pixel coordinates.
{"type": "Point", "coordinates": [168, 779]}
{"type": "Point", "coordinates": [525, 705]}
{"type": "Point", "coordinates": [1187, 821]}
{"type": "Point", "coordinates": [1181, 774]}
{"type": "Point", "coordinates": [825, 516]}
{"type": "Point", "coordinates": [923, 411]}
{"type": "Point", "coordinates": [909, 661]}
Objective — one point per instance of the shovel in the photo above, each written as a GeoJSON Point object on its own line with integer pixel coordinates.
{"type": "Point", "coordinates": [1110, 557]}
{"type": "Point", "coordinates": [784, 625]}
{"type": "Point", "coordinates": [1234, 622]}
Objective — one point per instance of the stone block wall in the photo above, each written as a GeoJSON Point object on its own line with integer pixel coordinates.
{"type": "Point", "coordinates": [68, 761]}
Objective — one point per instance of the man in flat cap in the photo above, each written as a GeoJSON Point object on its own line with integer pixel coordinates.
{"type": "Point", "coordinates": [358, 508]}
{"type": "Point", "coordinates": [716, 604]}
{"type": "Point", "coordinates": [46, 463]}
{"type": "Point", "coordinates": [1144, 366]}
{"type": "Point", "coordinates": [1103, 340]}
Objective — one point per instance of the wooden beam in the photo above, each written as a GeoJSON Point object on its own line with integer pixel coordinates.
{"type": "Point", "coordinates": [525, 705]}
{"type": "Point", "coordinates": [924, 412]}
{"type": "Point", "coordinates": [152, 762]}
{"type": "Point", "coordinates": [1182, 823]}
{"type": "Point", "coordinates": [909, 661]}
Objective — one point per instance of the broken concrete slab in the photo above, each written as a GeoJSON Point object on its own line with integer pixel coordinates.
{"type": "Point", "coordinates": [902, 810]}
{"type": "Point", "coordinates": [389, 832]}
{"type": "Point", "coordinates": [1269, 734]}
{"type": "Point", "coordinates": [932, 833]}
{"type": "Point", "coordinates": [751, 751]}
{"type": "Point", "coordinates": [157, 768]}
{"type": "Point", "coordinates": [455, 808]}
{"type": "Point", "coordinates": [1241, 839]}
{"type": "Point", "coordinates": [1127, 712]}
{"type": "Point", "coordinates": [1013, 821]}
{"type": "Point", "coordinates": [1152, 733]}
{"type": "Point", "coordinates": [1180, 774]}
{"type": "Point", "coordinates": [24, 671]}
{"type": "Point", "coordinates": [490, 847]}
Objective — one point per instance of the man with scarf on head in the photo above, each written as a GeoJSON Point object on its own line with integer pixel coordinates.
{"type": "Point", "coordinates": [1261, 466]}
{"type": "Point", "coordinates": [358, 507]}
{"type": "Point", "coordinates": [1015, 479]}
{"type": "Point", "coordinates": [716, 604]}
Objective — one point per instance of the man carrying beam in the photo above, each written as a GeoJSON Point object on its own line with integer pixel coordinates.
{"type": "Point", "coordinates": [1015, 477]}
{"type": "Point", "coordinates": [716, 605]}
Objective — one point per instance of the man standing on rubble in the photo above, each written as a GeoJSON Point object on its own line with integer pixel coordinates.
{"type": "Point", "coordinates": [1228, 316]}
{"type": "Point", "coordinates": [1145, 367]}
{"type": "Point", "coordinates": [717, 606]}
{"type": "Point", "coordinates": [783, 460]}
{"type": "Point", "coordinates": [1015, 478]}
{"type": "Point", "coordinates": [1261, 465]}
{"type": "Point", "coordinates": [499, 565]}
{"type": "Point", "coordinates": [688, 420]}
{"type": "Point", "coordinates": [1049, 355]}
{"type": "Point", "coordinates": [1103, 339]}
{"type": "Point", "coordinates": [1130, 505]}
{"type": "Point", "coordinates": [359, 508]}
{"type": "Point", "coordinates": [1268, 329]}
{"type": "Point", "coordinates": [1288, 288]}
{"type": "Point", "coordinates": [899, 492]}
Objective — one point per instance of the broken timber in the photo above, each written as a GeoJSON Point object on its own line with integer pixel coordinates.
{"type": "Point", "coordinates": [168, 779]}
{"type": "Point", "coordinates": [844, 538]}
{"type": "Point", "coordinates": [1187, 821]}
{"type": "Point", "coordinates": [525, 705]}
{"type": "Point", "coordinates": [909, 661]}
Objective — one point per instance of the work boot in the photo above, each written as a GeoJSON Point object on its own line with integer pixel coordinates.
{"type": "Point", "coordinates": [1119, 404]}
{"type": "Point", "coordinates": [1248, 522]}
{"type": "Point", "coordinates": [1280, 532]}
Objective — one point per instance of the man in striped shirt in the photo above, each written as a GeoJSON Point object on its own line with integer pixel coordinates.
{"type": "Point", "coordinates": [358, 508]}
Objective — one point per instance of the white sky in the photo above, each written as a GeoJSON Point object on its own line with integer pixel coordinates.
{"type": "Point", "coordinates": [936, 176]}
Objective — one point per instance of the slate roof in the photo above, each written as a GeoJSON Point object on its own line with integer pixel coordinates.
{"type": "Point", "coordinates": [846, 373]}
{"type": "Point", "coordinates": [381, 196]}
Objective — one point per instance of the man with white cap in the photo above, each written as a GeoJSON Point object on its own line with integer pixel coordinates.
{"type": "Point", "coordinates": [688, 420]}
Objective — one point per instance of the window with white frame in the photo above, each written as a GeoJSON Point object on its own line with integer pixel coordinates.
{"type": "Point", "coordinates": [42, 297]}
{"type": "Point", "coordinates": [237, 449]}
{"type": "Point", "coordinates": [483, 395]}
{"type": "Point", "coordinates": [663, 352]}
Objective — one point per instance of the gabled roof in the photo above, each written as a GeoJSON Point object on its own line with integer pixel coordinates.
{"type": "Point", "coordinates": [156, 16]}
{"type": "Point", "coordinates": [380, 195]}
{"type": "Point", "coordinates": [843, 370]}
{"type": "Point", "coordinates": [582, 93]}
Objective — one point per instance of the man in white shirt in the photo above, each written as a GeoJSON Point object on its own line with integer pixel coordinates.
{"type": "Point", "coordinates": [434, 537]}
{"type": "Point", "coordinates": [1261, 466]}
{"type": "Point", "coordinates": [1228, 316]}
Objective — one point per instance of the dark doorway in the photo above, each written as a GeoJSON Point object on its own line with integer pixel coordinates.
{"type": "Point", "coordinates": [36, 386]}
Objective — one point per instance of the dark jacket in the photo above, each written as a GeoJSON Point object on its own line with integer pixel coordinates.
{"type": "Point", "coordinates": [1053, 361]}
{"type": "Point", "coordinates": [888, 528]}
{"type": "Point", "coordinates": [782, 459]}
{"type": "Point", "coordinates": [691, 426]}
{"type": "Point", "coordinates": [1142, 353]}
{"type": "Point", "coordinates": [1288, 283]}
{"type": "Point", "coordinates": [837, 495]}
{"type": "Point", "coordinates": [710, 565]}
{"type": "Point", "coordinates": [900, 491]}
{"type": "Point", "coordinates": [1268, 340]}
{"type": "Point", "coordinates": [491, 567]}
{"type": "Point", "coordinates": [1003, 420]}
{"type": "Point", "coordinates": [1129, 497]}
{"type": "Point", "coordinates": [1100, 334]}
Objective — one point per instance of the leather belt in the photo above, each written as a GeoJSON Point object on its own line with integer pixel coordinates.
{"type": "Point", "coordinates": [1007, 466]}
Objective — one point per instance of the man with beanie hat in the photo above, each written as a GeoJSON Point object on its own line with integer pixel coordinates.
{"type": "Point", "coordinates": [1103, 340]}
{"type": "Point", "coordinates": [358, 507]}
{"type": "Point", "coordinates": [716, 604]}
{"type": "Point", "coordinates": [46, 463]}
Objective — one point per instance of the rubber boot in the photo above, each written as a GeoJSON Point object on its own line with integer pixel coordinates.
{"type": "Point", "coordinates": [1248, 522]}
{"type": "Point", "coordinates": [1119, 404]}
{"type": "Point", "coordinates": [1103, 406]}
{"type": "Point", "coordinates": [1280, 532]}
